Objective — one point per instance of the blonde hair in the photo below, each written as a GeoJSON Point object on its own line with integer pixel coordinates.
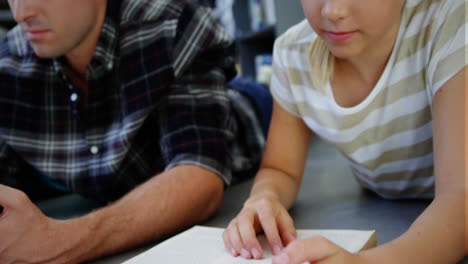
{"type": "Point", "coordinates": [321, 62]}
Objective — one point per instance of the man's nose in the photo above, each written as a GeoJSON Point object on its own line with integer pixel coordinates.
{"type": "Point", "coordinates": [22, 10]}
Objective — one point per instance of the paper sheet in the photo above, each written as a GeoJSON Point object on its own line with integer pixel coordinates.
{"type": "Point", "coordinates": [204, 245]}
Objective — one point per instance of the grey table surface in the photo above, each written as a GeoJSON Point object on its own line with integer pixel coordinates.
{"type": "Point", "coordinates": [329, 198]}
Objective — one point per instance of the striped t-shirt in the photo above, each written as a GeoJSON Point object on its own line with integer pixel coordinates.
{"type": "Point", "coordinates": [387, 138]}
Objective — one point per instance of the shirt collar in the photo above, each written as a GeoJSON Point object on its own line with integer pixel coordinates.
{"type": "Point", "coordinates": [105, 56]}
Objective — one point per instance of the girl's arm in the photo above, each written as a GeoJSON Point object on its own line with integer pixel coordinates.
{"type": "Point", "coordinates": [439, 234]}
{"type": "Point", "coordinates": [284, 159]}
{"type": "Point", "coordinates": [274, 190]}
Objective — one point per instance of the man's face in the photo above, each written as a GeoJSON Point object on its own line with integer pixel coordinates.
{"type": "Point", "coordinates": [57, 27]}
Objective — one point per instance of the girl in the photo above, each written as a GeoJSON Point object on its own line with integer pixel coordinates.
{"type": "Point", "coordinates": [383, 81]}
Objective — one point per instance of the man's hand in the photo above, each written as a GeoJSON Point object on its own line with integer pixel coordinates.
{"type": "Point", "coordinates": [26, 234]}
{"type": "Point", "coordinates": [153, 210]}
{"type": "Point", "coordinates": [316, 250]}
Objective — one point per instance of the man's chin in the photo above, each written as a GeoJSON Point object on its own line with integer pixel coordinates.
{"type": "Point", "coordinates": [45, 54]}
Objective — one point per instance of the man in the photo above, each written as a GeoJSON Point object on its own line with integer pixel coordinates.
{"type": "Point", "coordinates": [97, 97]}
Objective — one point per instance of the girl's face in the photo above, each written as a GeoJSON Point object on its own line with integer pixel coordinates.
{"type": "Point", "coordinates": [352, 27]}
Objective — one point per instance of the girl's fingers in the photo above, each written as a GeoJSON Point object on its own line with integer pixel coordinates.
{"type": "Point", "coordinates": [249, 236]}
{"type": "Point", "coordinates": [268, 222]}
{"type": "Point", "coordinates": [286, 228]}
{"type": "Point", "coordinates": [312, 250]}
{"type": "Point", "coordinates": [228, 244]}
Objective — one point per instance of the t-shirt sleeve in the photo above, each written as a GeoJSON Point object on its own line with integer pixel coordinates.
{"type": "Point", "coordinates": [449, 47]}
{"type": "Point", "coordinates": [280, 84]}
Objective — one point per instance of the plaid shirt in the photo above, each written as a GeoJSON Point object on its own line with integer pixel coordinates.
{"type": "Point", "coordinates": [157, 99]}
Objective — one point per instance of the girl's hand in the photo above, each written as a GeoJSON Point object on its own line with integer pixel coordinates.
{"type": "Point", "coordinates": [262, 214]}
{"type": "Point", "coordinates": [316, 250]}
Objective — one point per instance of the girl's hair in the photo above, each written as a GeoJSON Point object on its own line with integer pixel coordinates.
{"type": "Point", "coordinates": [321, 62]}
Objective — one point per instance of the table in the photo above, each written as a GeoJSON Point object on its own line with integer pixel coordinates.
{"type": "Point", "coordinates": [329, 198]}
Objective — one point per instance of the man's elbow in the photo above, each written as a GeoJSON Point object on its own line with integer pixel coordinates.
{"type": "Point", "coordinates": [203, 190]}
{"type": "Point", "coordinates": [214, 198]}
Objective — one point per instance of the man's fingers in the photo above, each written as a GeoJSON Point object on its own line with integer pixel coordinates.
{"type": "Point", "coordinates": [5, 192]}
{"type": "Point", "coordinates": [9, 197]}
{"type": "Point", "coordinates": [310, 250]}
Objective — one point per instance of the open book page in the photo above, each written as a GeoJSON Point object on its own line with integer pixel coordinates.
{"type": "Point", "coordinates": [204, 245]}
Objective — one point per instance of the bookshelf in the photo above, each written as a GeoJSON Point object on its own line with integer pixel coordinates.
{"type": "Point", "coordinates": [251, 42]}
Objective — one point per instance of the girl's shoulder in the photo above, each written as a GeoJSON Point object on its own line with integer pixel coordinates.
{"type": "Point", "coordinates": [432, 10]}
{"type": "Point", "coordinates": [431, 24]}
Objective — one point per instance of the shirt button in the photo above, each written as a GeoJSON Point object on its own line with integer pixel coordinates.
{"type": "Point", "coordinates": [94, 150]}
{"type": "Point", "coordinates": [74, 97]}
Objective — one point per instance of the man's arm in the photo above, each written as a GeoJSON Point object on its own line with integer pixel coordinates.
{"type": "Point", "coordinates": [170, 202]}
{"type": "Point", "coordinates": [194, 121]}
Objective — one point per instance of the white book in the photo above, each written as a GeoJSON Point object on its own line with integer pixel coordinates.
{"type": "Point", "coordinates": [204, 245]}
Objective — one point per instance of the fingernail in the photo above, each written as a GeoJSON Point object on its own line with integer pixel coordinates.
{"type": "Point", "coordinates": [245, 253]}
{"type": "Point", "coordinates": [276, 250]}
{"type": "Point", "coordinates": [233, 252]}
{"type": "Point", "coordinates": [256, 253]}
{"type": "Point", "coordinates": [282, 259]}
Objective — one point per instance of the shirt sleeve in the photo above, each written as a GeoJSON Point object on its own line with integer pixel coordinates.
{"type": "Point", "coordinates": [280, 84]}
{"type": "Point", "coordinates": [196, 119]}
{"type": "Point", "coordinates": [449, 44]}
